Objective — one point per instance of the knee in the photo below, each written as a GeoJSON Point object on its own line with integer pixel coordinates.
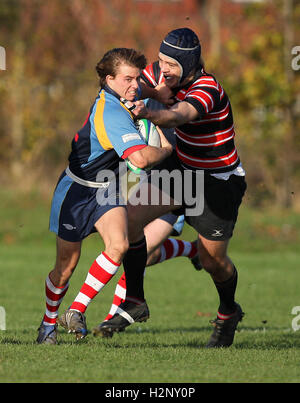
{"type": "Point", "coordinates": [212, 264]}
{"type": "Point", "coordinates": [117, 250]}
{"type": "Point", "coordinates": [122, 247]}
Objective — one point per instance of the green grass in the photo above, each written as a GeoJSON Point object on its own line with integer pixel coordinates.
{"type": "Point", "coordinates": [170, 346]}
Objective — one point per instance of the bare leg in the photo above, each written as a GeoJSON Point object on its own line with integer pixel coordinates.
{"type": "Point", "coordinates": [67, 257]}
{"type": "Point", "coordinates": [214, 259]}
{"type": "Point", "coordinates": [112, 227]}
{"type": "Point", "coordinates": [56, 286]}
{"type": "Point", "coordinates": [156, 233]}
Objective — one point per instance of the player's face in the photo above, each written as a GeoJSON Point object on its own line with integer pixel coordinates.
{"type": "Point", "coordinates": [126, 81]}
{"type": "Point", "coordinates": [170, 69]}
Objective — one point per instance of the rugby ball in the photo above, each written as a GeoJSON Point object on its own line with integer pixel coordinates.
{"type": "Point", "coordinates": [150, 135]}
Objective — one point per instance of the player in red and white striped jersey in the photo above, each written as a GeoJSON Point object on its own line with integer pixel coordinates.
{"type": "Point", "coordinates": [207, 141]}
{"type": "Point", "coordinates": [202, 115]}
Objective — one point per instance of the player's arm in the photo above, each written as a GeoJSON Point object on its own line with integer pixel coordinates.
{"type": "Point", "coordinates": [177, 115]}
{"type": "Point", "coordinates": [149, 155]}
{"type": "Point", "coordinates": [124, 137]}
{"type": "Point", "coordinates": [160, 93]}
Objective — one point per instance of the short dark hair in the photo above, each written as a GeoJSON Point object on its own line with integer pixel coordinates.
{"type": "Point", "coordinates": [112, 59]}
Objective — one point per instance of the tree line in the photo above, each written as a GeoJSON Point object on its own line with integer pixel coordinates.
{"type": "Point", "coordinates": [53, 46]}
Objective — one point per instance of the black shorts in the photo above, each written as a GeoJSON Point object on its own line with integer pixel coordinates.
{"type": "Point", "coordinates": [222, 199]}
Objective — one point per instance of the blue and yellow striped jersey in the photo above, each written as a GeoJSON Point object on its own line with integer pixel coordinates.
{"type": "Point", "coordinates": [108, 135]}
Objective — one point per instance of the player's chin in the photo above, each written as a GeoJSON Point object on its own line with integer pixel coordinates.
{"type": "Point", "coordinates": [131, 96]}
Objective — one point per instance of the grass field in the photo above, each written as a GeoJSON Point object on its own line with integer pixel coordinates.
{"type": "Point", "coordinates": [170, 346]}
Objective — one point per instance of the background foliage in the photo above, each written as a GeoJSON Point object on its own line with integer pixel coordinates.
{"type": "Point", "coordinates": [50, 82]}
{"type": "Point", "coordinates": [46, 91]}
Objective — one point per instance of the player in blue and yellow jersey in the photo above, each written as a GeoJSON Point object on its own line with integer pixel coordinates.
{"type": "Point", "coordinates": [87, 197]}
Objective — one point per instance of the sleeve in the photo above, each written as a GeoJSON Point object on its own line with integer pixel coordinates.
{"type": "Point", "coordinates": [149, 75]}
{"type": "Point", "coordinates": [121, 131]}
{"type": "Point", "coordinates": [203, 97]}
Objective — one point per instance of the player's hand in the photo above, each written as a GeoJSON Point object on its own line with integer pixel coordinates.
{"type": "Point", "coordinates": [164, 94]}
{"type": "Point", "coordinates": [163, 141]}
{"type": "Point", "coordinates": [140, 110]}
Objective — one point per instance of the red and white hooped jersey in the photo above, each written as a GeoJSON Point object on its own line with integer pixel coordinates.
{"type": "Point", "coordinates": [208, 142]}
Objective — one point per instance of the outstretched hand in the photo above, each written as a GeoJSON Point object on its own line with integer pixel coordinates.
{"type": "Point", "coordinates": [140, 110]}
{"type": "Point", "coordinates": [164, 94]}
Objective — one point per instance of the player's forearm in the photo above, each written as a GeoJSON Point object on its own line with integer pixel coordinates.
{"type": "Point", "coordinates": [149, 156]}
{"type": "Point", "coordinates": [158, 155]}
{"type": "Point", "coordinates": [177, 115]}
{"type": "Point", "coordinates": [164, 118]}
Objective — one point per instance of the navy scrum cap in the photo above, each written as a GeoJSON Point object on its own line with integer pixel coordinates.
{"type": "Point", "coordinates": [183, 45]}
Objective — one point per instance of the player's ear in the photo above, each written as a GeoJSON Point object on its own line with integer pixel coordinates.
{"type": "Point", "coordinates": [109, 78]}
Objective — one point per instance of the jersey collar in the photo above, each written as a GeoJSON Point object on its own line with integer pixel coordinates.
{"type": "Point", "coordinates": [199, 72]}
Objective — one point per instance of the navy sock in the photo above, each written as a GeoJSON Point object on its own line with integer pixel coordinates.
{"type": "Point", "coordinates": [134, 264]}
{"type": "Point", "coordinates": [226, 292]}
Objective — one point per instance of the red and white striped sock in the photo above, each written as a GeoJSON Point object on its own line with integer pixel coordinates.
{"type": "Point", "coordinates": [54, 297]}
{"type": "Point", "coordinates": [170, 248]}
{"type": "Point", "coordinates": [119, 296]}
{"type": "Point", "coordinates": [175, 247]}
{"type": "Point", "coordinates": [100, 273]}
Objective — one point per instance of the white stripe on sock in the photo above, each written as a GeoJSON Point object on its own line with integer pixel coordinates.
{"type": "Point", "coordinates": [93, 282]}
{"type": "Point", "coordinates": [82, 298]}
{"type": "Point", "coordinates": [53, 303]}
{"type": "Point", "coordinates": [51, 315]}
{"type": "Point", "coordinates": [113, 309]}
{"type": "Point", "coordinates": [120, 291]}
{"type": "Point", "coordinates": [106, 265]}
{"type": "Point", "coordinates": [54, 289]}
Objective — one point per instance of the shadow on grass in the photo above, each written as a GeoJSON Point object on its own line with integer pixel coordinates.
{"type": "Point", "coordinates": [14, 341]}
{"type": "Point", "coordinates": [254, 339]}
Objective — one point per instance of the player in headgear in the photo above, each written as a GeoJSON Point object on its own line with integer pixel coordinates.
{"type": "Point", "coordinates": [183, 46]}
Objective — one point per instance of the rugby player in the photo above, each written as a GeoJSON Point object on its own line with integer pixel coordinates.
{"type": "Point", "coordinates": [202, 115]}
{"type": "Point", "coordinates": [108, 136]}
